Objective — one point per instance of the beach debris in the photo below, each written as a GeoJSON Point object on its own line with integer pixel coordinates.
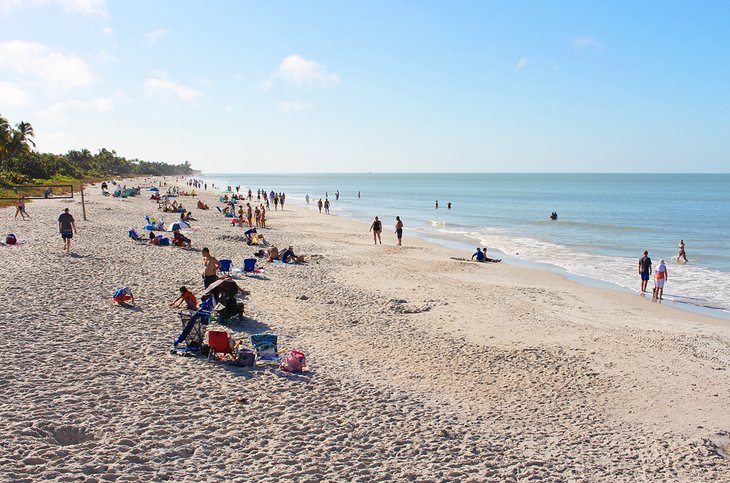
{"type": "Point", "coordinates": [303, 297]}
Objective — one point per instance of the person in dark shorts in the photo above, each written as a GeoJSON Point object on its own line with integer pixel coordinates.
{"type": "Point", "coordinates": [644, 270]}
{"type": "Point", "coordinates": [67, 228]}
{"type": "Point", "coordinates": [210, 273]}
{"type": "Point", "coordinates": [398, 229]}
{"type": "Point", "coordinates": [377, 229]}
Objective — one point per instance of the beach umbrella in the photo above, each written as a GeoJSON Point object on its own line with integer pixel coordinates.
{"type": "Point", "coordinates": [179, 225]}
{"type": "Point", "coordinates": [154, 189]}
{"type": "Point", "coordinates": [222, 286]}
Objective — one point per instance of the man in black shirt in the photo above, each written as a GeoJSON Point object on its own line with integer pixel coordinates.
{"type": "Point", "coordinates": [67, 227]}
{"type": "Point", "coordinates": [644, 270]}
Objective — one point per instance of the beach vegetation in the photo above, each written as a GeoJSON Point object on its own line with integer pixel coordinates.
{"type": "Point", "coordinates": [22, 163]}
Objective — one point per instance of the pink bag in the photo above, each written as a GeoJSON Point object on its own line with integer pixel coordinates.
{"type": "Point", "coordinates": [295, 362]}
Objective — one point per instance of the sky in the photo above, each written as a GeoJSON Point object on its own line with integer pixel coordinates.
{"type": "Point", "coordinates": [375, 86]}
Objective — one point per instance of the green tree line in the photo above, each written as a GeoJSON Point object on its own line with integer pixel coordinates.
{"type": "Point", "coordinates": [20, 162]}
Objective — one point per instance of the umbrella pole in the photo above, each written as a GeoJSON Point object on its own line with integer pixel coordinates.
{"type": "Point", "coordinates": [83, 202]}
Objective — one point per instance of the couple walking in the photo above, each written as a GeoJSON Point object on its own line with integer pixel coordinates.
{"type": "Point", "coordinates": [377, 229]}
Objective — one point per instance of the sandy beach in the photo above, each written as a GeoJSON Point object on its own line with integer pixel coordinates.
{"type": "Point", "coordinates": [422, 368]}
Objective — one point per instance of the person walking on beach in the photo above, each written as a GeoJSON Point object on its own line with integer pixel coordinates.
{"type": "Point", "coordinates": [377, 229]}
{"type": "Point", "coordinates": [282, 198]}
{"type": "Point", "coordinates": [644, 270]}
{"type": "Point", "coordinates": [398, 229]}
{"type": "Point", "coordinates": [211, 265]}
{"type": "Point", "coordinates": [67, 228]}
{"type": "Point", "coordinates": [680, 255]}
{"type": "Point", "coordinates": [319, 205]}
{"type": "Point", "coordinates": [660, 278]}
{"type": "Point", "coordinates": [307, 198]}
{"type": "Point", "coordinates": [327, 206]}
{"type": "Point", "coordinates": [20, 208]}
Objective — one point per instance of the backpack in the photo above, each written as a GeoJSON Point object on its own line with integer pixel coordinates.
{"type": "Point", "coordinates": [11, 240]}
{"type": "Point", "coordinates": [295, 362]}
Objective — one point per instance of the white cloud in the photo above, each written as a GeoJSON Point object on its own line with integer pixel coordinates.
{"type": "Point", "coordinates": [55, 69]}
{"type": "Point", "coordinates": [108, 31]}
{"type": "Point", "coordinates": [59, 109]}
{"type": "Point", "coordinates": [265, 84]}
{"type": "Point", "coordinates": [85, 7]}
{"type": "Point", "coordinates": [586, 42]}
{"type": "Point", "coordinates": [298, 70]}
{"type": "Point", "coordinates": [12, 95]}
{"type": "Point", "coordinates": [154, 86]}
{"type": "Point", "coordinates": [287, 106]}
{"type": "Point", "coordinates": [228, 108]}
{"type": "Point", "coordinates": [155, 35]}
{"type": "Point", "coordinates": [521, 64]}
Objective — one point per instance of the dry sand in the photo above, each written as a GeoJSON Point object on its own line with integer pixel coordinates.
{"type": "Point", "coordinates": [422, 368]}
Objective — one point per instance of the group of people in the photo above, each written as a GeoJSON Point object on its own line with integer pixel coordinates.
{"type": "Point", "coordinates": [377, 228]}
{"type": "Point", "coordinates": [448, 205]}
{"type": "Point", "coordinates": [661, 274]}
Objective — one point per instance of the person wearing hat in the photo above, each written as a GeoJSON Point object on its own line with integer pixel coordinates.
{"type": "Point", "coordinates": [660, 278]}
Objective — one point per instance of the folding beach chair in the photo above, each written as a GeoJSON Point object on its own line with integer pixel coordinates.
{"type": "Point", "coordinates": [249, 265]}
{"type": "Point", "coordinates": [265, 346]}
{"type": "Point", "coordinates": [134, 236]}
{"type": "Point", "coordinates": [225, 267]}
{"type": "Point", "coordinates": [191, 337]}
{"type": "Point", "coordinates": [218, 343]}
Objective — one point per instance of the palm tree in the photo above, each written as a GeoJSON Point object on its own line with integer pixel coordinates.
{"type": "Point", "coordinates": [18, 141]}
{"type": "Point", "coordinates": [5, 135]}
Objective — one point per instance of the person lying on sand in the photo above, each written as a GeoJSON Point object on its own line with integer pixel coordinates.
{"type": "Point", "coordinates": [202, 206]}
{"type": "Point", "coordinates": [179, 239]}
{"type": "Point", "coordinates": [288, 255]}
{"type": "Point", "coordinates": [272, 253]}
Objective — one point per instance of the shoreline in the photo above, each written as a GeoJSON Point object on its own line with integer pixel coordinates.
{"type": "Point", "coordinates": [460, 244]}
{"type": "Point", "coordinates": [421, 367]}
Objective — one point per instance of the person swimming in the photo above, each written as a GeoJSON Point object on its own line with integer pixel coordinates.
{"type": "Point", "coordinates": [554, 216]}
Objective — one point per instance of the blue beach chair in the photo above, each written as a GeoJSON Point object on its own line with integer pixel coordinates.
{"type": "Point", "coordinates": [191, 337]}
{"type": "Point", "coordinates": [225, 266]}
{"type": "Point", "coordinates": [249, 265]}
{"type": "Point", "coordinates": [266, 347]}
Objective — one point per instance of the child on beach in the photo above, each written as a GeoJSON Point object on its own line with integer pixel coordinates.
{"type": "Point", "coordinates": [186, 297]}
{"type": "Point", "coordinates": [123, 295]}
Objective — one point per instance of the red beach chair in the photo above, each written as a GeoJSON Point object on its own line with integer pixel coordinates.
{"type": "Point", "coordinates": [218, 344]}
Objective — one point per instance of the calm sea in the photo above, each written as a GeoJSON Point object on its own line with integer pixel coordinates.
{"type": "Point", "coordinates": [605, 220]}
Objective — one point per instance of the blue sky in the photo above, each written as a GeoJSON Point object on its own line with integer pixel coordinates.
{"type": "Point", "coordinates": [375, 86]}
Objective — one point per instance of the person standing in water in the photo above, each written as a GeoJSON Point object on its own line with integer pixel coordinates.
{"type": "Point", "coordinates": [376, 228]}
{"type": "Point", "coordinates": [437, 204]}
{"type": "Point", "coordinates": [644, 270]}
{"type": "Point", "coordinates": [681, 253]}
{"type": "Point", "coordinates": [358, 195]}
{"type": "Point", "coordinates": [327, 206]}
{"type": "Point", "coordinates": [448, 205]}
{"type": "Point", "coordinates": [660, 277]}
{"type": "Point", "coordinates": [398, 229]}
{"type": "Point", "coordinates": [307, 198]}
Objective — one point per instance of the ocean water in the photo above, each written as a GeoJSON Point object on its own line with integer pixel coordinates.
{"type": "Point", "coordinates": [605, 221]}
